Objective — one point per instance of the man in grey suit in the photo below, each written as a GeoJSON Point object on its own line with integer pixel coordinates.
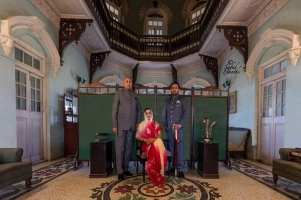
{"type": "Point", "coordinates": [174, 116]}
{"type": "Point", "coordinates": [126, 115]}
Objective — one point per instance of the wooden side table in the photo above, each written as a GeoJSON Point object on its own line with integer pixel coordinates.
{"type": "Point", "coordinates": [208, 159]}
{"type": "Point", "coordinates": [101, 158]}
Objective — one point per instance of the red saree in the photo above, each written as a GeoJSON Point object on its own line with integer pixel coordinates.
{"type": "Point", "coordinates": [156, 152]}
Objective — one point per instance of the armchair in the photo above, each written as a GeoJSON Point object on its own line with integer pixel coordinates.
{"type": "Point", "coordinates": [12, 169]}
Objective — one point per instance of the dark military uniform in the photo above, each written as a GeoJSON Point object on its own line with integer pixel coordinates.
{"type": "Point", "coordinates": [175, 111]}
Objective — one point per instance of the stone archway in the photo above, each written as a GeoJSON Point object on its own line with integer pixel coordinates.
{"type": "Point", "coordinates": [109, 79]}
{"type": "Point", "coordinates": [36, 27]}
{"type": "Point", "coordinates": [267, 39]}
{"type": "Point", "coordinates": [194, 81]}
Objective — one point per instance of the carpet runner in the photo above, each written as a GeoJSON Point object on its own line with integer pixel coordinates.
{"type": "Point", "coordinates": [284, 186]}
{"type": "Point", "coordinates": [39, 177]}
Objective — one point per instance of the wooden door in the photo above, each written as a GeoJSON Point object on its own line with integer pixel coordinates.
{"type": "Point", "coordinates": [273, 119]}
{"type": "Point", "coordinates": [28, 113]}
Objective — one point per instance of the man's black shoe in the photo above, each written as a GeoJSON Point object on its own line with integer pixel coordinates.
{"type": "Point", "coordinates": [181, 175]}
{"type": "Point", "coordinates": [171, 171]}
{"type": "Point", "coordinates": [127, 173]}
{"type": "Point", "coordinates": [120, 177]}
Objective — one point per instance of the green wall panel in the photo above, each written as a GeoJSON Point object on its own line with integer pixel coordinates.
{"type": "Point", "coordinates": [216, 110]}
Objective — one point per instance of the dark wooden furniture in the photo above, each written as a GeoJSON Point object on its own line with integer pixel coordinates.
{"type": "Point", "coordinates": [70, 125]}
{"type": "Point", "coordinates": [101, 158]}
{"type": "Point", "coordinates": [208, 159]}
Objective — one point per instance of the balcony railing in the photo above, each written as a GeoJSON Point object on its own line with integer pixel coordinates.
{"type": "Point", "coordinates": [156, 47]}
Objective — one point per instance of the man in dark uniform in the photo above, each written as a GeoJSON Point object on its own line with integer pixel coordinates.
{"type": "Point", "coordinates": [126, 115]}
{"type": "Point", "coordinates": [174, 116]}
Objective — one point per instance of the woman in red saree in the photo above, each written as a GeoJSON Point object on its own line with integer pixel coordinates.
{"type": "Point", "coordinates": [149, 132]}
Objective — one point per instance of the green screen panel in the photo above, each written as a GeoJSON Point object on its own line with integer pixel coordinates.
{"type": "Point", "coordinates": [216, 110]}
{"type": "Point", "coordinates": [94, 116]}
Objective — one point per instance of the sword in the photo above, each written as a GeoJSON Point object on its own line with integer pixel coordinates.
{"type": "Point", "coordinates": [176, 153]}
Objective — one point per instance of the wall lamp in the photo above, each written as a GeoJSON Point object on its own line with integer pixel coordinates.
{"type": "Point", "coordinates": [227, 83]}
{"type": "Point", "coordinates": [80, 80]}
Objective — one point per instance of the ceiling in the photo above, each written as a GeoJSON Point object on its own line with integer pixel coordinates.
{"type": "Point", "coordinates": [237, 12]}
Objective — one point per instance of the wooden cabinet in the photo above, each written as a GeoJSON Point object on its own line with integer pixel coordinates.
{"type": "Point", "coordinates": [101, 158]}
{"type": "Point", "coordinates": [70, 125]}
{"type": "Point", "coordinates": [208, 159]}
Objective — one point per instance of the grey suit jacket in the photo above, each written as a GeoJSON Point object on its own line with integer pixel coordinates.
{"type": "Point", "coordinates": [126, 111]}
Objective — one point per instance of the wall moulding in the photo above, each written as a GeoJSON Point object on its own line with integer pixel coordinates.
{"type": "Point", "coordinates": [37, 28]}
{"type": "Point", "coordinates": [7, 43]}
{"type": "Point", "coordinates": [267, 39]}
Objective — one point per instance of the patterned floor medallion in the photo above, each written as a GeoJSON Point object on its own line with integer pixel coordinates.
{"type": "Point", "coordinates": [174, 188]}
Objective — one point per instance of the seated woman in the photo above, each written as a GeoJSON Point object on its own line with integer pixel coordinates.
{"type": "Point", "coordinates": [149, 132]}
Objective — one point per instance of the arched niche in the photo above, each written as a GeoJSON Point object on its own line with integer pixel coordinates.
{"type": "Point", "coordinates": [268, 38]}
{"type": "Point", "coordinates": [37, 28]}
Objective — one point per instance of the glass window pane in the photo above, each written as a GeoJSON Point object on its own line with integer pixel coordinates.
{"type": "Point", "coordinates": [270, 112]}
{"type": "Point", "coordinates": [193, 15]}
{"type": "Point", "coordinates": [160, 23]}
{"type": "Point", "coordinates": [27, 59]}
{"type": "Point", "coordinates": [17, 76]}
{"type": "Point", "coordinates": [198, 12]}
{"type": "Point", "coordinates": [283, 97]}
{"type": "Point", "coordinates": [32, 106]}
{"type": "Point", "coordinates": [278, 111]}
{"type": "Point", "coordinates": [283, 110]}
{"type": "Point", "coordinates": [264, 112]}
{"type": "Point", "coordinates": [265, 91]}
{"type": "Point", "coordinates": [150, 23]}
{"type": "Point", "coordinates": [111, 9]}
{"type": "Point", "coordinates": [155, 23]}
{"type": "Point", "coordinates": [270, 101]}
{"type": "Point", "coordinates": [279, 86]}
{"type": "Point", "coordinates": [32, 82]}
{"type": "Point", "coordinates": [23, 91]}
{"type": "Point", "coordinates": [116, 12]}
{"type": "Point", "coordinates": [278, 99]}
{"type": "Point", "coordinates": [17, 103]}
{"type": "Point", "coordinates": [17, 89]}
{"type": "Point", "coordinates": [203, 9]}
{"type": "Point", "coordinates": [23, 104]}
{"type": "Point", "coordinates": [38, 82]}
{"type": "Point", "coordinates": [265, 101]}
{"type": "Point", "coordinates": [32, 92]}
{"type": "Point", "coordinates": [36, 64]}
{"type": "Point", "coordinates": [270, 89]}
{"type": "Point", "coordinates": [108, 6]}
{"type": "Point", "coordinates": [283, 65]}
{"type": "Point", "coordinates": [18, 54]}
{"type": "Point", "coordinates": [38, 95]}
{"type": "Point", "coordinates": [38, 106]}
{"type": "Point", "coordinates": [23, 78]}
{"type": "Point", "coordinates": [267, 72]}
{"type": "Point", "coordinates": [284, 85]}
{"type": "Point", "coordinates": [275, 69]}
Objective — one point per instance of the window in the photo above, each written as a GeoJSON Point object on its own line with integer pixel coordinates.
{"type": "Point", "coordinates": [114, 10]}
{"type": "Point", "coordinates": [275, 69]}
{"type": "Point", "coordinates": [155, 27]}
{"type": "Point", "coordinates": [27, 59]}
{"type": "Point", "coordinates": [197, 11]}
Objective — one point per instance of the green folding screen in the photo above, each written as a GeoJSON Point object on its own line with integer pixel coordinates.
{"type": "Point", "coordinates": [95, 116]}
